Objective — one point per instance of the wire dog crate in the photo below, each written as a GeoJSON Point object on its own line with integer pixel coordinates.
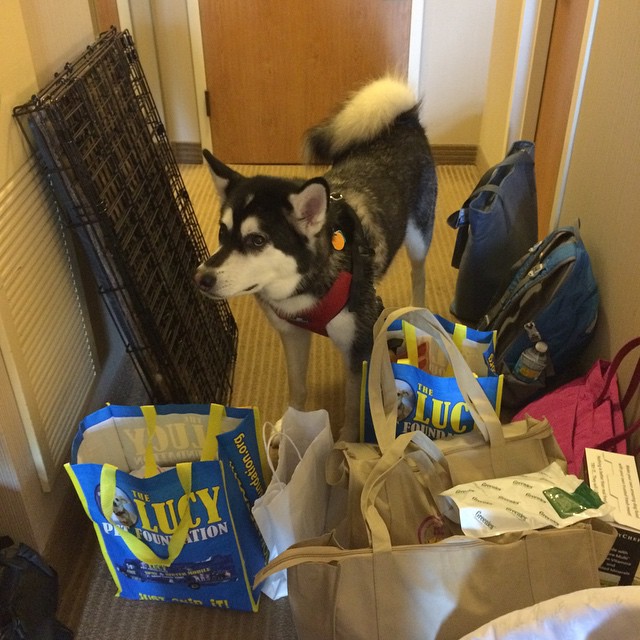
{"type": "Point", "coordinates": [97, 131]}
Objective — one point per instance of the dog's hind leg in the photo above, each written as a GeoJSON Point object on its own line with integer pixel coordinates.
{"type": "Point", "coordinates": [417, 244]}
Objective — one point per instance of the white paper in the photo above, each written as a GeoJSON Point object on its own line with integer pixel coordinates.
{"type": "Point", "coordinates": [520, 503]}
{"type": "Point", "coordinates": [614, 477]}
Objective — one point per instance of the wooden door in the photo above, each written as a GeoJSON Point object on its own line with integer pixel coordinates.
{"type": "Point", "coordinates": [276, 67]}
{"type": "Point", "coordinates": [105, 14]}
{"type": "Point", "coordinates": [555, 104]}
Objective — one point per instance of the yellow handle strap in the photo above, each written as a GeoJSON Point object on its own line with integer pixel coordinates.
{"type": "Point", "coordinates": [150, 466]}
{"type": "Point", "coordinates": [458, 337]}
{"type": "Point", "coordinates": [459, 334]}
{"type": "Point", "coordinates": [210, 445]}
{"type": "Point", "coordinates": [411, 341]}
{"type": "Point", "coordinates": [137, 547]}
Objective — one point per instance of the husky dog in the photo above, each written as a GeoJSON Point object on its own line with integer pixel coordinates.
{"type": "Point", "coordinates": [312, 250]}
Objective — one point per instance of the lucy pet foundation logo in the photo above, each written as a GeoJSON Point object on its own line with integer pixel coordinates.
{"type": "Point", "coordinates": [157, 521]}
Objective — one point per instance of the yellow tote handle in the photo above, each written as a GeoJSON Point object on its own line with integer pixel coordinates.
{"type": "Point", "coordinates": [210, 446]}
{"type": "Point", "coordinates": [150, 466]}
{"type": "Point", "coordinates": [137, 547]}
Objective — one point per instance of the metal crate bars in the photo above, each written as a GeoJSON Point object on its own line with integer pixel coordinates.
{"type": "Point", "coordinates": [105, 150]}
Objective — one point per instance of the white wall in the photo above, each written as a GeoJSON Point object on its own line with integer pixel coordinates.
{"type": "Point", "coordinates": [176, 69]}
{"type": "Point", "coordinates": [17, 83]}
{"type": "Point", "coordinates": [56, 36]}
{"type": "Point", "coordinates": [496, 116]}
{"type": "Point", "coordinates": [456, 46]}
{"type": "Point", "coordinates": [603, 179]}
{"type": "Point", "coordinates": [161, 33]}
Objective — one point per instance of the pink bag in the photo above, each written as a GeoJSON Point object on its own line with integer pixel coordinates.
{"type": "Point", "coordinates": [588, 412]}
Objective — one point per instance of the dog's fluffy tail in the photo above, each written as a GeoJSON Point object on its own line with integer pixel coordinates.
{"type": "Point", "coordinates": [367, 114]}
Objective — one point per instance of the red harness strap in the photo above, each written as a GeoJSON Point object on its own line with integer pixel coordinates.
{"type": "Point", "coordinates": [326, 309]}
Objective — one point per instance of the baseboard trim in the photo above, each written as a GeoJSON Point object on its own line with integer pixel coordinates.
{"type": "Point", "coordinates": [191, 153]}
{"type": "Point", "coordinates": [454, 153]}
{"type": "Point", "coordinates": [481, 161]}
{"type": "Point", "coordinates": [187, 152]}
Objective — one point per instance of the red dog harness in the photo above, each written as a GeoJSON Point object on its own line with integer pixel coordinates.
{"type": "Point", "coordinates": [327, 308]}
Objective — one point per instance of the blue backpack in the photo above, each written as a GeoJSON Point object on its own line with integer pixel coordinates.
{"type": "Point", "coordinates": [552, 296]}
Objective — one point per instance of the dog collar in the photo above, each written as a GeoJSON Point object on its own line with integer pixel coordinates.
{"type": "Point", "coordinates": [327, 308]}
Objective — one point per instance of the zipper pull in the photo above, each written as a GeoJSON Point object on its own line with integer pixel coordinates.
{"type": "Point", "coordinates": [536, 270]}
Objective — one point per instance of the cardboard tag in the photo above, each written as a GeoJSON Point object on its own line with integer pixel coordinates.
{"type": "Point", "coordinates": [614, 477]}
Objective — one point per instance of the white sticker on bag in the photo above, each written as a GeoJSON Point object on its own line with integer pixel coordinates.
{"type": "Point", "coordinates": [547, 498]}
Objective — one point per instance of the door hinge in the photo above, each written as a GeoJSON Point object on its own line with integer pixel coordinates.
{"type": "Point", "coordinates": [207, 103]}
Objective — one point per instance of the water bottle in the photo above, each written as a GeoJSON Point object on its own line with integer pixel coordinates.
{"type": "Point", "coordinates": [531, 363]}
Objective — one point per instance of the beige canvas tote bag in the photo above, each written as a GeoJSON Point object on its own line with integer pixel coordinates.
{"type": "Point", "coordinates": [385, 587]}
{"type": "Point", "coordinates": [434, 591]}
{"type": "Point", "coordinates": [492, 450]}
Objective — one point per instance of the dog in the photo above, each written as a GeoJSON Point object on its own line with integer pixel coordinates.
{"type": "Point", "coordinates": [313, 250]}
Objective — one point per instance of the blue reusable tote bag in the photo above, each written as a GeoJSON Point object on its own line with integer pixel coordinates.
{"type": "Point", "coordinates": [496, 226]}
{"type": "Point", "coordinates": [172, 530]}
{"type": "Point", "coordinates": [428, 396]}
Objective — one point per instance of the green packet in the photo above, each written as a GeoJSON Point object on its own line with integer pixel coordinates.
{"type": "Point", "coordinates": [570, 504]}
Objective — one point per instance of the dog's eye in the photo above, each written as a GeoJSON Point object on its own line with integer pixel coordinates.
{"type": "Point", "coordinates": [223, 232]}
{"type": "Point", "coordinates": [255, 241]}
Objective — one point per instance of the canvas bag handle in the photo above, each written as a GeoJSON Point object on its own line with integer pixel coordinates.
{"type": "Point", "coordinates": [382, 390]}
{"type": "Point", "coordinates": [378, 532]}
{"type": "Point", "coordinates": [380, 538]}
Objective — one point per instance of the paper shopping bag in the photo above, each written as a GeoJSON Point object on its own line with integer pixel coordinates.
{"type": "Point", "coordinates": [295, 505]}
{"type": "Point", "coordinates": [170, 530]}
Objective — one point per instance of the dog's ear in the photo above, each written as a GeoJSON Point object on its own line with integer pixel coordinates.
{"type": "Point", "coordinates": [222, 175]}
{"type": "Point", "coordinates": [310, 206]}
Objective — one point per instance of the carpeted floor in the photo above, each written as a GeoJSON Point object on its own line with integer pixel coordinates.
{"type": "Point", "coordinates": [87, 603]}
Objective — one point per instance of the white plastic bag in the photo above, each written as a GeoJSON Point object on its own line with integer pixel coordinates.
{"type": "Point", "coordinates": [295, 504]}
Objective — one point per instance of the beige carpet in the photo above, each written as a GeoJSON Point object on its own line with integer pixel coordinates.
{"type": "Point", "coordinates": [87, 604]}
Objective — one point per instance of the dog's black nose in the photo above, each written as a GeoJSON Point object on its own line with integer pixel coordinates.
{"type": "Point", "coordinates": [205, 281]}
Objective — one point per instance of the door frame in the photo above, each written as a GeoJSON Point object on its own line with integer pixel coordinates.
{"type": "Point", "coordinates": [574, 113]}
{"type": "Point", "coordinates": [197, 56]}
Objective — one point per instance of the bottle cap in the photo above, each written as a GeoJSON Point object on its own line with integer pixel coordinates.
{"type": "Point", "coordinates": [541, 347]}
